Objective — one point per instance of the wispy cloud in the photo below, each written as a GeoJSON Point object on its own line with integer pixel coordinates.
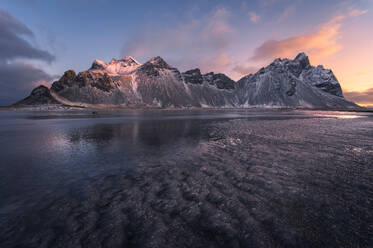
{"type": "Point", "coordinates": [286, 13]}
{"type": "Point", "coordinates": [201, 42]}
{"type": "Point", "coordinates": [360, 97]}
{"type": "Point", "coordinates": [323, 42]}
{"type": "Point", "coordinates": [254, 17]}
{"type": "Point", "coordinates": [268, 2]}
{"type": "Point", "coordinates": [244, 70]}
{"type": "Point", "coordinates": [357, 12]}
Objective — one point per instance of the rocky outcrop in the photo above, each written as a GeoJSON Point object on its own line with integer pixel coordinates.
{"type": "Point", "coordinates": [98, 65]}
{"type": "Point", "coordinates": [220, 81]}
{"type": "Point", "coordinates": [155, 66]}
{"type": "Point", "coordinates": [67, 80]}
{"type": "Point", "coordinates": [193, 76]}
{"type": "Point", "coordinates": [323, 79]}
{"type": "Point", "coordinates": [39, 96]}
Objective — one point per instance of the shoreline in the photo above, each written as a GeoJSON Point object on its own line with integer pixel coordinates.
{"type": "Point", "coordinates": [111, 108]}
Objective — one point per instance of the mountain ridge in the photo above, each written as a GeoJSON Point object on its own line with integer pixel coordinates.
{"type": "Point", "coordinates": [127, 83]}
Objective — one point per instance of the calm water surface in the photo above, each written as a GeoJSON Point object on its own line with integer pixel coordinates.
{"type": "Point", "coordinates": [191, 178]}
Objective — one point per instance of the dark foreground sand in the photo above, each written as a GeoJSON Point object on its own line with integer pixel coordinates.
{"type": "Point", "coordinates": [273, 182]}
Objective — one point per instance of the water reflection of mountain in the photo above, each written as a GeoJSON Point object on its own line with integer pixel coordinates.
{"type": "Point", "coordinates": [148, 132]}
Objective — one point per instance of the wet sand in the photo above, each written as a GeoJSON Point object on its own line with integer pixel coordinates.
{"type": "Point", "coordinates": [179, 179]}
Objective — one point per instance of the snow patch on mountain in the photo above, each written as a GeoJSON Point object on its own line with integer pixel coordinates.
{"type": "Point", "coordinates": [123, 66]}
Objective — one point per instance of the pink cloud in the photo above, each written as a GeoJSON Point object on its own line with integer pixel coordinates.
{"type": "Point", "coordinates": [42, 82]}
{"type": "Point", "coordinates": [242, 70]}
{"type": "Point", "coordinates": [254, 17]}
{"type": "Point", "coordinates": [356, 12]}
{"type": "Point", "coordinates": [201, 42]}
{"type": "Point", "coordinates": [286, 13]}
{"type": "Point", "coordinates": [268, 2]}
{"type": "Point", "coordinates": [360, 97]}
{"type": "Point", "coordinates": [323, 42]}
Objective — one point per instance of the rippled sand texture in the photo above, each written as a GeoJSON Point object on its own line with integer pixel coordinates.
{"type": "Point", "coordinates": [274, 182]}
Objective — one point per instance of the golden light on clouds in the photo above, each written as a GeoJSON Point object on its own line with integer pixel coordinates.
{"type": "Point", "coordinates": [321, 43]}
{"type": "Point", "coordinates": [364, 98]}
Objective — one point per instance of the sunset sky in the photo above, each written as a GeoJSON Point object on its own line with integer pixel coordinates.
{"type": "Point", "coordinates": [41, 39]}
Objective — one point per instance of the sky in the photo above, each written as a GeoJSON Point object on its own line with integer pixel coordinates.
{"type": "Point", "coordinates": [40, 39]}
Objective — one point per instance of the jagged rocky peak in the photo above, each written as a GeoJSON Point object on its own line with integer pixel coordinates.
{"type": "Point", "coordinates": [98, 65]}
{"type": "Point", "coordinates": [301, 69]}
{"type": "Point", "coordinates": [295, 66]}
{"type": "Point", "coordinates": [115, 66]}
{"type": "Point", "coordinates": [158, 62]}
{"type": "Point", "coordinates": [68, 76]}
{"type": "Point", "coordinates": [125, 61]}
{"type": "Point", "coordinates": [299, 64]}
{"type": "Point", "coordinates": [153, 67]}
{"type": "Point", "coordinates": [40, 91]}
{"type": "Point", "coordinates": [323, 79]}
{"type": "Point", "coordinates": [67, 80]}
{"type": "Point", "coordinates": [302, 58]}
{"type": "Point", "coordinates": [193, 76]}
{"type": "Point", "coordinates": [318, 76]}
{"type": "Point", "coordinates": [122, 66]}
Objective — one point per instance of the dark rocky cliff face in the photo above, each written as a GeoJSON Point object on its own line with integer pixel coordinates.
{"type": "Point", "coordinates": [323, 79]}
{"type": "Point", "coordinates": [87, 78]}
{"type": "Point", "coordinates": [67, 80]}
{"type": "Point", "coordinates": [153, 67]}
{"type": "Point", "coordinates": [39, 96]}
{"type": "Point", "coordinates": [221, 81]}
{"type": "Point", "coordinates": [193, 76]}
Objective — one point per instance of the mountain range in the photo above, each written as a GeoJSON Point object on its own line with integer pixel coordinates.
{"type": "Point", "coordinates": [127, 83]}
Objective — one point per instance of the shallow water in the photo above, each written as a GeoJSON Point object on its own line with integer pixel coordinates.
{"type": "Point", "coordinates": [190, 178]}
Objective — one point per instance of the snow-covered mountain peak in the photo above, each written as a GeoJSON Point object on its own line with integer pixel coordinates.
{"type": "Point", "coordinates": [303, 60]}
{"type": "Point", "coordinates": [156, 66]}
{"type": "Point", "coordinates": [300, 62]}
{"type": "Point", "coordinates": [301, 57]}
{"type": "Point", "coordinates": [98, 65]}
{"type": "Point", "coordinates": [296, 66]}
{"type": "Point", "coordinates": [158, 62]}
{"type": "Point", "coordinates": [277, 61]}
{"type": "Point", "coordinates": [125, 61]}
{"type": "Point", "coordinates": [121, 66]}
